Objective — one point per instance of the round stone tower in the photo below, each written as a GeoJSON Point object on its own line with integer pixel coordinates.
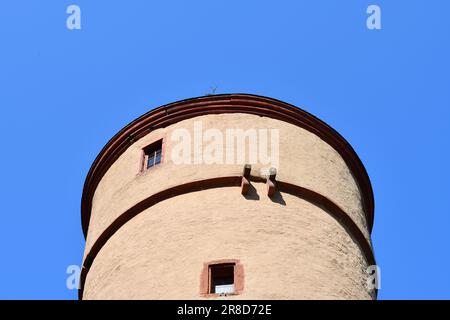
{"type": "Point", "coordinates": [234, 196]}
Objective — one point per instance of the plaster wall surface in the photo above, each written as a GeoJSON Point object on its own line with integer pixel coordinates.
{"type": "Point", "coordinates": [304, 160]}
{"type": "Point", "coordinates": [290, 249]}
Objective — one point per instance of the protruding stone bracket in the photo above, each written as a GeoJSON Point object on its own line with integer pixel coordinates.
{"type": "Point", "coordinates": [245, 183]}
{"type": "Point", "coordinates": [246, 172]}
{"type": "Point", "coordinates": [271, 182]}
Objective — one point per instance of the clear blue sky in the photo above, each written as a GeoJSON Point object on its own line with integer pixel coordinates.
{"type": "Point", "coordinates": [64, 93]}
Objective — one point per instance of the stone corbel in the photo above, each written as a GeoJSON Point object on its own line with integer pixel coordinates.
{"type": "Point", "coordinates": [245, 183]}
{"type": "Point", "coordinates": [271, 182]}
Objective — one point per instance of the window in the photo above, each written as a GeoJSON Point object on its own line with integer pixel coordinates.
{"type": "Point", "coordinates": [222, 278]}
{"type": "Point", "coordinates": [152, 155]}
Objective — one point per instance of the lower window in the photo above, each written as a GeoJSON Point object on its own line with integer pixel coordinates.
{"type": "Point", "coordinates": [222, 278]}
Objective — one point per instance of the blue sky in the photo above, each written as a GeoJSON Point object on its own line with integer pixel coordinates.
{"type": "Point", "coordinates": [64, 93]}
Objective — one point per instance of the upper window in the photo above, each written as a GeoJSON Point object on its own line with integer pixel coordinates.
{"type": "Point", "coordinates": [152, 155]}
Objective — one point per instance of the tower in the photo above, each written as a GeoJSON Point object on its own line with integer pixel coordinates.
{"type": "Point", "coordinates": [175, 207]}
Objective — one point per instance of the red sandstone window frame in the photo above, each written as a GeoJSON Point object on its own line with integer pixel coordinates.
{"type": "Point", "coordinates": [147, 150]}
{"type": "Point", "coordinates": [205, 277]}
